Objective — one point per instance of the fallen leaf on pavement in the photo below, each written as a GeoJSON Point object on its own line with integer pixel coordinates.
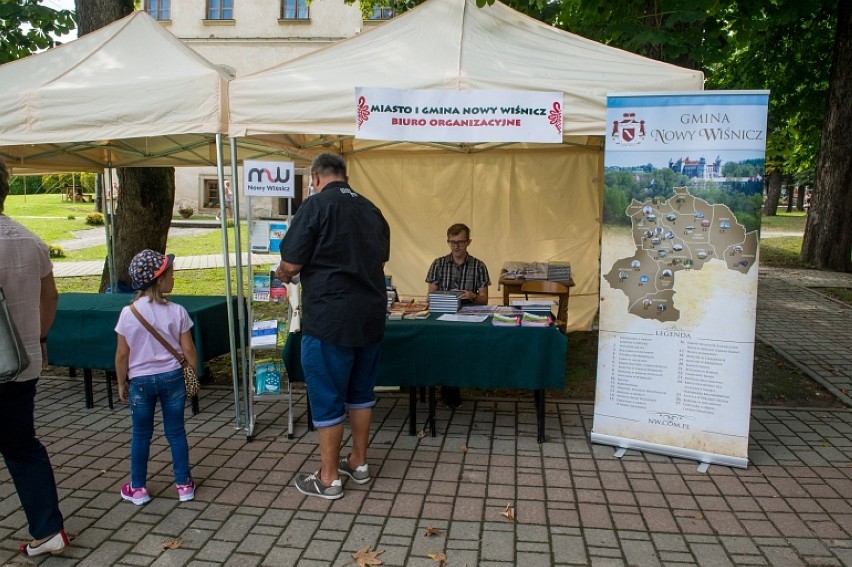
{"type": "Point", "coordinates": [509, 512]}
{"type": "Point", "coordinates": [172, 543]}
{"type": "Point", "coordinates": [421, 434]}
{"type": "Point", "coordinates": [439, 557]}
{"type": "Point", "coordinates": [366, 557]}
{"type": "Point", "coordinates": [463, 448]}
{"type": "Point", "coordinates": [430, 531]}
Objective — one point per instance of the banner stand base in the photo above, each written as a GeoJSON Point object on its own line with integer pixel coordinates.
{"type": "Point", "coordinates": [623, 444]}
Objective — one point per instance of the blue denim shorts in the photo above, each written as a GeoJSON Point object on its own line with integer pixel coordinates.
{"type": "Point", "coordinates": [338, 378]}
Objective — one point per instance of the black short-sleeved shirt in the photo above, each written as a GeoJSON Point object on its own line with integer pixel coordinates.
{"type": "Point", "coordinates": [342, 241]}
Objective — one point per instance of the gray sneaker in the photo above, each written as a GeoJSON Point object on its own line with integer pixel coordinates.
{"type": "Point", "coordinates": [359, 475]}
{"type": "Point", "coordinates": [311, 485]}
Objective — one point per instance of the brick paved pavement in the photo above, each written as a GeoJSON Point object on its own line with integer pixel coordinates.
{"type": "Point", "coordinates": [575, 503]}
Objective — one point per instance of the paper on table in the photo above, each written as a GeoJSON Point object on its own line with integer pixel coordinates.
{"type": "Point", "coordinates": [463, 318]}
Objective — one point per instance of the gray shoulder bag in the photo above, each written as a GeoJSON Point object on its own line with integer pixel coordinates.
{"type": "Point", "coordinates": [13, 353]}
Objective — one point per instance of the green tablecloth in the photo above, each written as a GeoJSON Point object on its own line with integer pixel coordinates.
{"type": "Point", "coordinates": [83, 335]}
{"type": "Point", "coordinates": [468, 355]}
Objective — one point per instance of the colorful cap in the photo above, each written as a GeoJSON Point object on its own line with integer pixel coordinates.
{"type": "Point", "coordinates": [147, 266]}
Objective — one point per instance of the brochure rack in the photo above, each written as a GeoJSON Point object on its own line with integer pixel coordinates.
{"type": "Point", "coordinates": [268, 381]}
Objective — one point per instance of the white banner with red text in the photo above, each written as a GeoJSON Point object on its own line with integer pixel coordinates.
{"type": "Point", "coordinates": [477, 116]}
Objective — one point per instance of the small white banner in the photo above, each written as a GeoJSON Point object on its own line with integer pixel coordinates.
{"type": "Point", "coordinates": [269, 178]}
{"type": "Point", "coordinates": [458, 116]}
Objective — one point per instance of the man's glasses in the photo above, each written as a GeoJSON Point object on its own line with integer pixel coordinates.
{"type": "Point", "coordinates": [457, 242]}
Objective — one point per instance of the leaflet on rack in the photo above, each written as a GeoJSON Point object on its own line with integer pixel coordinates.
{"type": "Point", "coordinates": [264, 333]}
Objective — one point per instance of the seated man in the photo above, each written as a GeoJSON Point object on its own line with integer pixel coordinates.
{"type": "Point", "coordinates": [459, 271]}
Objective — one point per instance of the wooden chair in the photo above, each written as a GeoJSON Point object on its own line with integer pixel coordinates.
{"type": "Point", "coordinates": [543, 287]}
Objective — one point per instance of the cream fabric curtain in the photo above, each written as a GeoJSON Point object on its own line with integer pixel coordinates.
{"type": "Point", "coordinates": [533, 205]}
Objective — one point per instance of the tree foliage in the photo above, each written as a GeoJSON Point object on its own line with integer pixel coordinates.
{"type": "Point", "coordinates": [26, 27]}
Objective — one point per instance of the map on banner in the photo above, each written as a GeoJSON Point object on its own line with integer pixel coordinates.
{"type": "Point", "coordinates": [681, 233]}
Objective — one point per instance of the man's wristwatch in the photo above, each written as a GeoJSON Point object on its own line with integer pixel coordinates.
{"type": "Point", "coordinates": [42, 340]}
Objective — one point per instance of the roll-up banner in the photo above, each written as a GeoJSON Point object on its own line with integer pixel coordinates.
{"type": "Point", "coordinates": [683, 194]}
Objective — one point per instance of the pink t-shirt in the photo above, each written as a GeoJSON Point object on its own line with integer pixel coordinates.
{"type": "Point", "coordinates": [147, 355]}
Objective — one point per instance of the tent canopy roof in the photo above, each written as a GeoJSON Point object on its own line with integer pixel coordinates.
{"type": "Point", "coordinates": [443, 44]}
{"type": "Point", "coordinates": [127, 94]}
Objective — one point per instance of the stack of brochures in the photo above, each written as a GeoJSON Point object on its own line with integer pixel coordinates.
{"type": "Point", "coordinates": [261, 281]}
{"type": "Point", "coordinates": [499, 320]}
{"type": "Point", "coordinates": [534, 304]}
{"type": "Point", "coordinates": [264, 333]}
{"type": "Point", "coordinates": [267, 375]}
{"type": "Point", "coordinates": [533, 320]}
{"type": "Point", "coordinates": [277, 288]}
{"type": "Point", "coordinates": [444, 302]}
{"type": "Point", "coordinates": [559, 271]}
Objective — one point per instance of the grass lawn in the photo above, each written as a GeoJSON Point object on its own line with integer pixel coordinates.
{"type": "Point", "coordinates": [55, 220]}
{"type": "Point", "coordinates": [784, 222]}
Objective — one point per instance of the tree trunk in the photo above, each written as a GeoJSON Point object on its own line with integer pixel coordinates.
{"type": "Point", "coordinates": [828, 232]}
{"type": "Point", "coordinates": [800, 198]}
{"type": "Point", "coordinates": [94, 14]}
{"type": "Point", "coordinates": [144, 206]}
{"type": "Point", "coordinates": [773, 193]}
{"type": "Point", "coordinates": [143, 216]}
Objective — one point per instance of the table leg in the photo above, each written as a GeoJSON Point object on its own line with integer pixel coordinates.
{"type": "Point", "coordinates": [539, 414]}
{"type": "Point", "coordinates": [412, 410]}
{"type": "Point", "coordinates": [87, 386]}
{"type": "Point", "coordinates": [109, 377]}
{"type": "Point", "coordinates": [431, 420]}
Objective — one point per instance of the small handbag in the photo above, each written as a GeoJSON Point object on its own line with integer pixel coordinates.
{"type": "Point", "coordinates": [13, 354]}
{"type": "Point", "coordinates": [190, 379]}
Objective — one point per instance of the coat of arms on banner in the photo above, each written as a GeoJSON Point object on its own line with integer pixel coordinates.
{"type": "Point", "coordinates": [628, 131]}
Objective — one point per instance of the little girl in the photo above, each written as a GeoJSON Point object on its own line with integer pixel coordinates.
{"type": "Point", "coordinates": [147, 372]}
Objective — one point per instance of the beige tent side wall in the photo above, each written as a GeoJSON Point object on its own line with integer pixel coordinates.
{"type": "Point", "coordinates": [521, 205]}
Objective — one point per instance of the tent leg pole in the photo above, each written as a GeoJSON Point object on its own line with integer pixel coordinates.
{"type": "Point", "coordinates": [241, 306]}
{"type": "Point", "coordinates": [220, 168]}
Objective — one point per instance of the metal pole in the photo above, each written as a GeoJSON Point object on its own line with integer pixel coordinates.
{"type": "Point", "coordinates": [235, 205]}
{"type": "Point", "coordinates": [110, 229]}
{"type": "Point", "coordinates": [220, 167]}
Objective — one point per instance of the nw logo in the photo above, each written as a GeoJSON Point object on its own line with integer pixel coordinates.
{"type": "Point", "coordinates": [256, 174]}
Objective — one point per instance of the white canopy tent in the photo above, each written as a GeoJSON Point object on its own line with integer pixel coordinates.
{"type": "Point", "coordinates": [127, 95]}
{"type": "Point", "coordinates": [523, 202]}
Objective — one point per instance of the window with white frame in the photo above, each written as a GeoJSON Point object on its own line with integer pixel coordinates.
{"type": "Point", "coordinates": [220, 9]}
{"type": "Point", "coordinates": [158, 9]}
{"type": "Point", "coordinates": [294, 10]}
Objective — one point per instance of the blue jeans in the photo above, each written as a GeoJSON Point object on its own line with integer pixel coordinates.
{"type": "Point", "coordinates": [29, 465]}
{"type": "Point", "coordinates": [143, 393]}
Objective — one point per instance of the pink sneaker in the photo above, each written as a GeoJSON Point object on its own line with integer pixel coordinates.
{"type": "Point", "coordinates": [138, 496]}
{"type": "Point", "coordinates": [186, 492]}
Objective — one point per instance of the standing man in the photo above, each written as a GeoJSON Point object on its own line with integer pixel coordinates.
{"type": "Point", "coordinates": [459, 271]}
{"type": "Point", "coordinates": [26, 276]}
{"type": "Point", "coordinates": [338, 242]}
